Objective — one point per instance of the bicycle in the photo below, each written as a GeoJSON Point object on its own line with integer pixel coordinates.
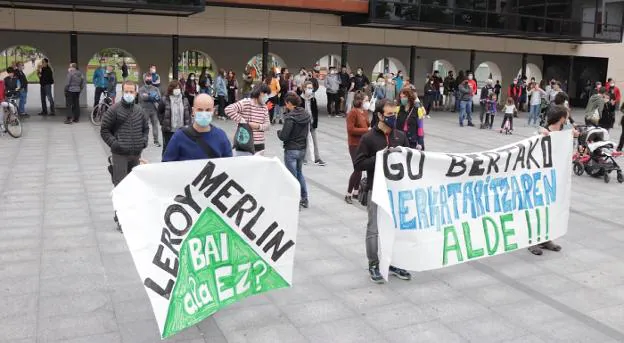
{"type": "Point", "coordinates": [10, 122]}
{"type": "Point", "coordinates": [98, 111]}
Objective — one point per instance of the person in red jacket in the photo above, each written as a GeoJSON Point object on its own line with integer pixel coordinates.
{"type": "Point", "coordinates": [472, 83]}
{"type": "Point", "coordinates": [614, 91]}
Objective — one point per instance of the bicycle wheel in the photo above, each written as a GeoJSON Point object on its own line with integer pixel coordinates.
{"type": "Point", "coordinates": [13, 125]}
{"type": "Point", "coordinates": [96, 115]}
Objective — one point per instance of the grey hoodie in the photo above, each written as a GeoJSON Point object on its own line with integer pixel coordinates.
{"type": "Point", "coordinates": [332, 83]}
{"type": "Point", "coordinates": [75, 81]}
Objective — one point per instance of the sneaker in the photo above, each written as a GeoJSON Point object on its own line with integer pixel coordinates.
{"type": "Point", "coordinates": [348, 199]}
{"type": "Point", "coordinates": [320, 162]}
{"type": "Point", "coordinates": [157, 144]}
{"type": "Point", "coordinates": [428, 116]}
{"type": "Point", "coordinates": [400, 273]}
{"type": "Point", "coordinates": [68, 121]}
{"type": "Point", "coordinates": [42, 114]}
{"type": "Point", "coordinates": [550, 246]}
{"type": "Point", "coordinates": [304, 203]}
{"type": "Point", "coordinates": [470, 124]}
{"type": "Point", "coordinates": [536, 250]}
{"type": "Point", "coordinates": [375, 275]}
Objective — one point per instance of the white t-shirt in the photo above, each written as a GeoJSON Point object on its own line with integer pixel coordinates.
{"type": "Point", "coordinates": [510, 109]}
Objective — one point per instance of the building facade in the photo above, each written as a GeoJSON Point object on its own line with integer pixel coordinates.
{"type": "Point", "coordinates": [573, 41]}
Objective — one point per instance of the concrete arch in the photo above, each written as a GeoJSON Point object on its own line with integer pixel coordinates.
{"type": "Point", "coordinates": [387, 65]}
{"type": "Point", "coordinates": [444, 67]}
{"type": "Point", "coordinates": [134, 70]}
{"type": "Point", "coordinates": [532, 70]}
{"type": "Point", "coordinates": [254, 65]}
{"type": "Point", "coordinates": [487, 70]}
{"type": "Point", "coordinates": [330, 60]}
{"type": "Point", "coordinates": [206, 60]}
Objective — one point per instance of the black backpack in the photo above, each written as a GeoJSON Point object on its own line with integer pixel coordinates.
{"type": "Point", "coordinates": [363, 195]}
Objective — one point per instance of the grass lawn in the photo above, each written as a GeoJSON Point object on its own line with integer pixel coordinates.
{"type": "Point", "coordinates": [131, 75]}
{"type": "Point", "coordinates": [6, 61]}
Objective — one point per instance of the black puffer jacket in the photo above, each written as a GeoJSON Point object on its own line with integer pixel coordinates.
{"type": "Point", "coordinates": [294, 134]}
{"type": "Point", "coordinates": [125, 129]}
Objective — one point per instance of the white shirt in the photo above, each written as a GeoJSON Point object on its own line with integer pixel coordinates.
{"type": "Point", "coordinates": [510, 109]}
{"type": "Point", "coordinates": [536, 97]}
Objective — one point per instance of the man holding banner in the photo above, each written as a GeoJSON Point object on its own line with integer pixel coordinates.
{"type": "Point", "coordinates": [382, 136]}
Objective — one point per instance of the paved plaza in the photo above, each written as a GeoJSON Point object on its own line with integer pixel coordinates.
{"type": "Point", "coordinates": [67, 276]}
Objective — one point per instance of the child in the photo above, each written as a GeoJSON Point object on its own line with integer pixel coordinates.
{"type": "Point", "coordinates": [510, 111]}
{"type": "Point", "coordinates": [491, 104]}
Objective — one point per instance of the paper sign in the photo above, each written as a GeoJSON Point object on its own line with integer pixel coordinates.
{"type": "Point", "coordinates": [205, 234]}
{"type": "Point", "coordinates": [441, 209]}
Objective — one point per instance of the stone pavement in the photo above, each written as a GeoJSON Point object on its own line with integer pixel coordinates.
{"type": "Point", "coordinates": [66, 275]}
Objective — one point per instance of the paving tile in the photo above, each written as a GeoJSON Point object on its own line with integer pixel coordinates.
{"type": "Point", "coordinates": [432, 331]}
{"type": "Point", "coordinates": [315, 312]}
{"type": "Point", "coordinates": [346, 330]}
{"type": "Point", "coordinates": [487, 329]}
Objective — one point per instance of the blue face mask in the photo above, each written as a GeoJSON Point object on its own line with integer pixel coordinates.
{"type": "Point", "coordinates": [203, 119]}
{"type": "Point", "coordinates": [390, 121]}
{"type": "Point", "coordinates": [128, 98]}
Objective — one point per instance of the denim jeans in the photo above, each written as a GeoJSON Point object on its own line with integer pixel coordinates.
{"type": "Point", "coordinates": [465, 111]}
{"type": "Point", "coordinates": [22, 101]}
{"type": "Point", "coordinates": [534, 114]}
{"type": "Point", "coordinates": [46, 93]}
{"type": "Point", "coordinates": [293, 159]}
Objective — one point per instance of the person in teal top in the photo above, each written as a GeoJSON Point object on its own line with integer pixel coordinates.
{"type": "Point", "coordinates": [398, 81]}
{"type": "Point", "coordinates": [100, 81]}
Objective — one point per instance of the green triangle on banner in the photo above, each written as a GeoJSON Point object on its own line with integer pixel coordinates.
{"type": "Point", "coordinates": [217, 268]}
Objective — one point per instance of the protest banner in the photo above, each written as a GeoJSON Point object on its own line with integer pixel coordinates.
{"type": "Point", "coordinates": [205, 234]}
{"type": "Point", "coordinates": [441, 209]}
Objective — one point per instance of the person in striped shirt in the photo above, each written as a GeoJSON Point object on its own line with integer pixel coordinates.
{"type": "Point", "coordinates": [253, 111]}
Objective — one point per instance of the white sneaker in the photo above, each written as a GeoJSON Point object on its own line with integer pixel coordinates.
{"type": "Point", "coordinates": [428, 116]}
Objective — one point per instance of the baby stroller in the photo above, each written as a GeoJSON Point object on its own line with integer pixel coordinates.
{"type": "Point", "coordinates": [596, 154]}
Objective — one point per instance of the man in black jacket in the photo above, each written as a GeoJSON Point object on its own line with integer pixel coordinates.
{"type": "Point", "coordinates": [46, 80]}
{"type": "Point", "coordinates": [125, 130]}
{"type": "Point", "coordinates": [19, 72]}
{"type": "Point", "coordinates": [380, 137]}
{"type": "Point", "coordinates": [485, 94]}
{"type": "Point", "coordinates": [294, 134]}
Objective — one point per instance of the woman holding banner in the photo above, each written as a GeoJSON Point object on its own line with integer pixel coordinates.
{"type": "Point", "coordinates": [557, 116]}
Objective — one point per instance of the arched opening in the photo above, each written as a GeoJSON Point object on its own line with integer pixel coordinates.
{"type": "Point", "coordinates": [322, 65]}
{"type": "Point", "coordinates": [254, 66]}
{"type": "Point", "coordinates": [485, 71]}
{"type": "Point", "coordinates": [387, 65]}
{"type": "Point", "coordinates": [194, 61]}
{"type": "Point", "coordinates": [110, 61]}
{"type": "Point", "coordinates": [32, 60]}
{"type": "Point", "coordinates": [443, 67]}
{"type": "Point", "coordinates": [532, 71]}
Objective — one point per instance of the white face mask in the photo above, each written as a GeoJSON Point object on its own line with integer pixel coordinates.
{"type": "Point", "coordinates": [177, 92]}
{"type": "Point", "coordinates": [308, 91]}
{"type": "Point", "coordinates": [192, 78]}
{"type": "Point", "coordinates": [366, 105]}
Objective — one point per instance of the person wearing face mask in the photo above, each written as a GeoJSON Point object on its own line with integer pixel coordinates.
{"type": "Point", "coordinates": [514, 92]}
{"type": "Point", "coordinates": [99, 81]}
{"type": "Point", "coordinates": [556, 118]}
{"type": "Point", "coordinates": [149, 98]}
{"type": "Point", "coordinates": [253, 111]}
{"type": "Point", "coordinates": [202, 139]}
{"type": "Point", "coordinates": [294, 134]}
{"type": "Point", "coordinates": [614, 92]}
{"type": "Point", "coordinates": [595, 105]}
{"type": "Point", "coordinates": [75, 85]}
{"type": "Point", "coordinates": [379, 91]}
{"type": "Point", "coordinates": [154, 76]}
{"type": "Point", "coordinates": [357, 126]}
{"type": "Point", "coordinates": [473, 85]}
{"type": "Point", "coordinates": [359, 81]}
{"type": "Point", "coordinates": [173, 112]}
{"type": "Point", "coordinates": [343, 76]}
{"type": "Point", "coordinates": [125, 129]}
{"type": "Point", "coordinates": [465, 102]}
{"type": "Point", "coordinates": [332, 87]}
{"type": "Point", "coordinates": [111, 79]}
{"type": "Point", "coordinates": [383, 136]}
{"type": "Point", "coordinates": [220, 89]}
{"type": "Point", "coordinates": [190, 88]}
{"type": "Point", "coordinates": [430, 95]}
{"type": "Point", "coordinates": [311, 107]}
{"type": "Point", "coordinates": [410, 119]}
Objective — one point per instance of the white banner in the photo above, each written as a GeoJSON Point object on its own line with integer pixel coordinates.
{"type": "Point", "coordinates": [441, 209]}
{"type": "Point", "coordinates": [204, 234]}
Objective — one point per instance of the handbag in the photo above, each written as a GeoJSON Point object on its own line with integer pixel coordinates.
{"type": "Point", "coordinates": [243, 138]}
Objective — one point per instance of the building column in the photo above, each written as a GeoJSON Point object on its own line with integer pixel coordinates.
{"type": "Point", "coordinates": [570, 80]}
{"type": "Point", "coordinates": [472, 61]}
{"type": "Point", "coordinates": [524, 65]}
{"type": "Point", "coordinates": [73, 48]}
{"type": "Point", "coordinates": [344, 54]}
{"type": "Point", "coordinates": [175, 47]}
{"type": "Point", "coordinates": [412, 63]}
{"type": "Point", "coordinates": [265, 57]}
